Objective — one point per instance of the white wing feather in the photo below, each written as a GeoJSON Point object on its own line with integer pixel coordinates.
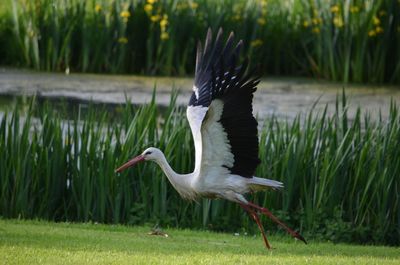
{"type": "Point", "coordinates": [195, 116]}
{"type": "Point", "coordinates": [213, 152]}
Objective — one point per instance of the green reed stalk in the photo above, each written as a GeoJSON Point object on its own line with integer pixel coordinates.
{"type": "Point", "coordinates": [349, 41]}
{"type": "Point", "coordinates": [340, 174]}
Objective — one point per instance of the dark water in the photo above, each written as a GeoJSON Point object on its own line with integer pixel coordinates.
{"type": "Point", "coordinates": [67, 107]}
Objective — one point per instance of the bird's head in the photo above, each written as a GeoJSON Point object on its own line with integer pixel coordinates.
{"type": "Point", "coordinates": [151, 153]}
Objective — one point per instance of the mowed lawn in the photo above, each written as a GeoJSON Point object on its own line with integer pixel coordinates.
{"type": "Point", "coordinates": [37, 242]}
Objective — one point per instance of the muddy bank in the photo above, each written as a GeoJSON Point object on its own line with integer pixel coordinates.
{"type": "Point", "coordinates": [284, 97]}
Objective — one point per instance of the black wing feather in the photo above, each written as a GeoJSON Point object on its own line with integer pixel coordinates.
{"type": "Point", "coordinates": [219, 77]}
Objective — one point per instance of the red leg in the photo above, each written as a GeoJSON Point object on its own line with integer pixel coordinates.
{"type": "Point", "coordinates": [276, 220]}
{"type": "Point", "coordinates": [254, 215]}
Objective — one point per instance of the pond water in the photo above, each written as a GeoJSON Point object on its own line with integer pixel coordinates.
{"type": "Point", "coordinates": [65, 106]}
{"type": "Point", "coordinates": [284, 97]}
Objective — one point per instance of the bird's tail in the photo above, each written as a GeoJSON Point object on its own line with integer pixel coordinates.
{"type": "Point", "coordinates": [258, 184]}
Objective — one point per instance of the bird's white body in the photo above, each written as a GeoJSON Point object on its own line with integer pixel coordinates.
{"type": "Point", "coordinates": [213, 184]}
{"type": "Point", "coordinates": [212, 147]}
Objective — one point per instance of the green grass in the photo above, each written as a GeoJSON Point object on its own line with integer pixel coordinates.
{"type": "Point", "coordinates": [37, 242]}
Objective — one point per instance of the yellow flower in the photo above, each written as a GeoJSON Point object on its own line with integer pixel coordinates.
{"type": "Point", "coordinates": [376, 20]}
{"type": "Point", "coordinates": [306, 24]}
{"type": "Point", "coordinates": [316, 21]}
{"type": "Point", "coordinates": [378, 30]}
{"type": "Point", "coordinates": [164, 35]}
{"type": "Point", "coordinates": [354, 9]}
{"type": "Point", "coordinates": [372, 33]}
{"type": "Point", "coordinates": [261, 21]}
{"type": "Point", "coordinates": [194, 5]}
{"type": "Point", "coordinates": [125, 14]}
{"type": "Point", "coordinates": [97, 8]}
{"type": "Point", "coordinates": [155, 18]}
{"type": "Point", "coordinates": [237, 17]}
{"type": "Point", "coordinates": [148, 8]}
{"type": "Point", "coordinates": [264, 11]}
{"type": "Point", "coordinates": [181, 6]}
{"type": "Point", "coordinates": [338, 21]}
{"type": "Point", "coordinates": [151, 1]}
{"type": "Point", "coordinates": [31, 33]}
{"type": "Point", "coordinates": [335, 9]}
{"type": "Point", "coordinates": [256, 43]}
{"type": "Point", "coordinates": [263, 2]}
{"type": "Point", "coordinates": [123, 40]}
{"type": "Point", "coordinates": [316, 30]}
{"type": "Point", "coordinates": [163, 23]}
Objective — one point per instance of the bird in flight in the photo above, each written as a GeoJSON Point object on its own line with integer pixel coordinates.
{"type": "Point", "coordinates": [224, 130]}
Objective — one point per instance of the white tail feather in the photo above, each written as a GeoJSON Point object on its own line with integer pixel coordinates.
{"type": "Point", "coordinates": [258, 184]}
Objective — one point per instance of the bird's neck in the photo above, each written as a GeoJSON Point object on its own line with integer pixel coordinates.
{"type": "Point", "coordinates": [182, 183]}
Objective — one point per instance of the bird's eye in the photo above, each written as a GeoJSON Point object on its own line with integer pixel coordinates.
{"type": "Point", "coordinates": [147, 153]}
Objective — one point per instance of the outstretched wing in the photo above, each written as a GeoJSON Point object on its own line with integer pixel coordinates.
{"type": "Point", "coordinates": [220, 110]}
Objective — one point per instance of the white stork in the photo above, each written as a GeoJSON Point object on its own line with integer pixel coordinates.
{"type": "Point", "coordinates": [224, 133]}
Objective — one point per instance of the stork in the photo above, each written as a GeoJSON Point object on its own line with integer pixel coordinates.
{"type": "Point", "coordinates": [224, 130]}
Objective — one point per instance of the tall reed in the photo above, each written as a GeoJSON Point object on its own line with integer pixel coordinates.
{"type": "Point", "coordinates": [350, 40]}
{"type": "Point", "coordinates": [340, 174]}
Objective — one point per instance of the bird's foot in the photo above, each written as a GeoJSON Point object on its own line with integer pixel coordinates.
{"type": "Point", "coordinates": [267, 213]}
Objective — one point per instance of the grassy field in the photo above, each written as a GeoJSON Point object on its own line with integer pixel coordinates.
{"type": "Point", "coordinates": [34, 242]}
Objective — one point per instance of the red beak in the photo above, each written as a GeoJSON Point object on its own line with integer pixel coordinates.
{"type": "Point", "coordinates": [130, 163]}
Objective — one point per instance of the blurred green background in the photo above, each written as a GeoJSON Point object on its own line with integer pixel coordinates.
{"type": "Point", "coordinates": [351, 40]}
